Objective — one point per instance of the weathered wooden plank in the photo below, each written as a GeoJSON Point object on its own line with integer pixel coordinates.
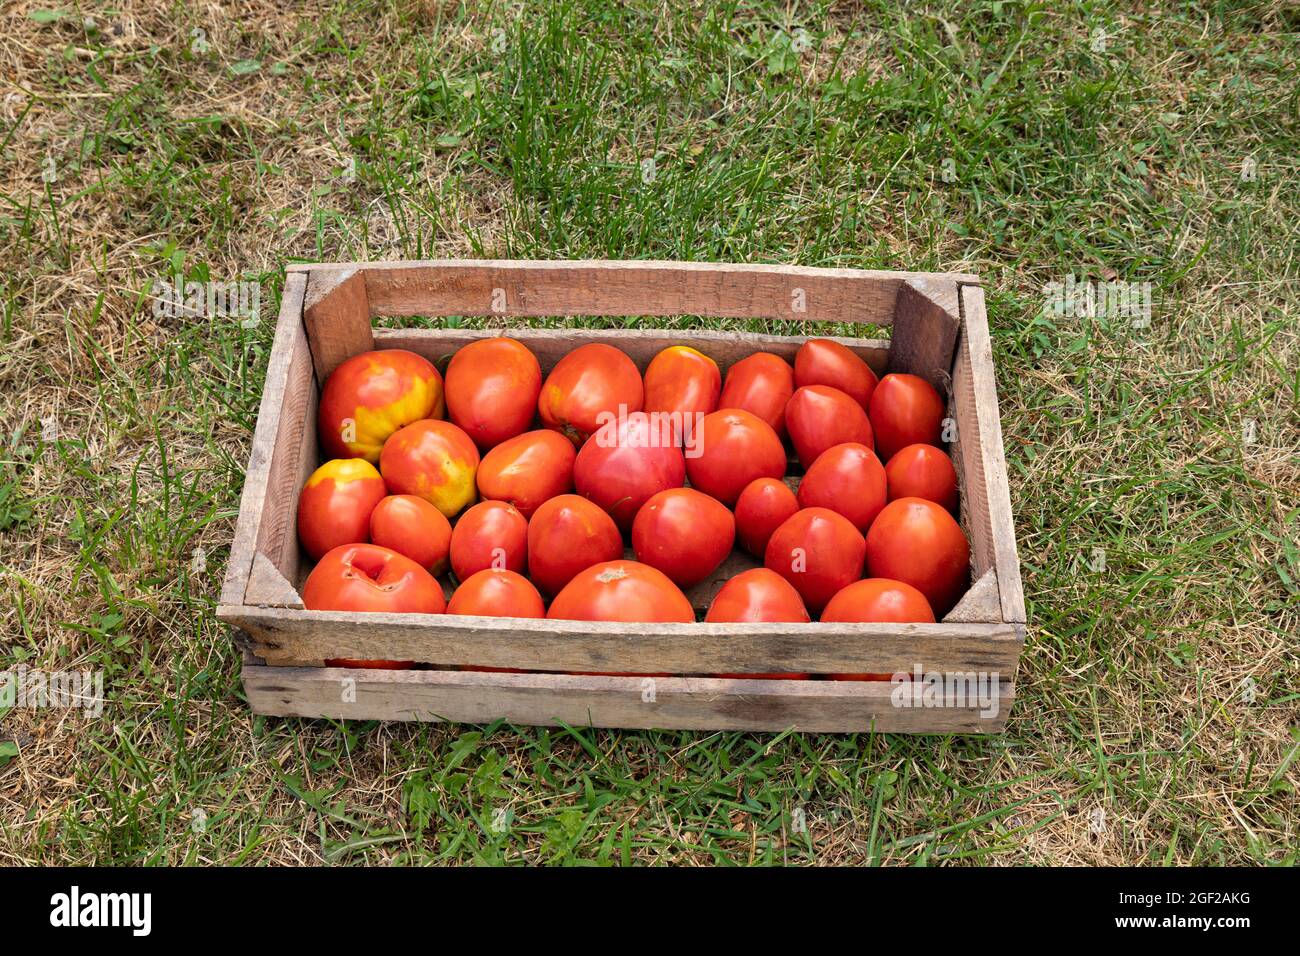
{"type": "Point", "coordinates": [336, 313]}
{"type": "Point", "coordinates": [284, 636]}
{"type": "Point", "coordinates": [989, 482]}
{"type": "Point", "coordinates": [550, 345]}
{"type": "Point", "coordinates": [288, 329]}
{"type": "Point", "coordinates": [633, 702]}
{"type": "Point", "coordinates": [981, 604]}
{"type": "Point", "coordinates": [925, 330]}
{"type": "Point", "coordinates": [631, 287]}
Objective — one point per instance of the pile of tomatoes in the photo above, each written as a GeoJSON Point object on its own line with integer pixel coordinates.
{"type": "Point", "coordinates": [427, 477]}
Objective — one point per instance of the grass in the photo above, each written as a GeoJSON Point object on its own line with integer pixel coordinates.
{"type": "Point", "coordinates": [1154, 472]}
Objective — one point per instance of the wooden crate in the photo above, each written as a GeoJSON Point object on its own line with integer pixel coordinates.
{"type": "Point", "coordinates": [939, 331]}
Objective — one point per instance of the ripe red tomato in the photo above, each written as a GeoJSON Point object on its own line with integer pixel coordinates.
{"type": "Point", "coordinates": [760, 509]}
{"type": "Point", "coordinates": [586, 385]}
{"type": "Point", "coordinates": [433, 460]}
{"type": "Point", "coordinates": [917, 542]}
{"type": "Point", "coordinates": [624, 463]}
{"type": "Point", "coordinates": [566, 535]}
{"type": "Point", "coordinates": [684, 533]}
{"type": "Point", "coordinates": [877, 600]}
{"type": "Point", "coordinates": [335, 504]}
{"type": "Point", "coordinates": [681, 380]}
{"type": "Point", "coordinates": [734, 447]}
{"type": "Point", "coordinates": [414, 529]}
{"type": "Point", "coordinates": [754, 596]}
{"type": "Point", "coordinates": [848, 479]}
{"type": "Point", "coordinates": [820, 417]}
{"type": "Point", "coordinates": [496, 592]}
{"type": "Point", "coordinates": [621, 591]}
{"type": "Point", "coordinates": [372, 395]}
{"type": "Point", "coordinates": [492, 534]}
{"type": "Point", "coordinates": [923, 471]}
{"type": "Point", "coordinates": [819, 552]}
{"type": "Point", "coordinates": [905, 410]}
{"type": "Point", "coordinates": [492, 389]}
{"type": "Point", "coordinates": [823, 362]}
{"type": "Point", "coordinates": [528, 469]}
{"type": "Point", "coordinates": [367, 577]}
{"type": "Point", "coordinates": [760, 384]}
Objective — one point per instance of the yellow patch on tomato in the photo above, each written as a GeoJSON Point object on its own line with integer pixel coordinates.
{"type": "Point", "coordinates": [424, 399]}
{"type": "Point", "coordinates": [342, 471]}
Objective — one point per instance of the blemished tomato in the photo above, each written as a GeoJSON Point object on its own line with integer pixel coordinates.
{"type": "Point", "coordinates": [372, 395]}
{"type": "Point", "coordinates": [761, 384]}
{"type": "Point", "coordinates": [919, 543]}
{"type": "Point", "coordinates": [492, 534]}
{"type": "Point", "coordinates": [823, 362]}
{"type": "Point", "coordinates": [905, 410]}
{"type": "Point", "coordinates": [683, 533]}
{"type": "Point", "coordinates": [817, 551]}
{"type": "Point", "coordinates": [414, 529]}
{"type": "Point", "coordinates": [681, 380]}
{"type": "Point", "coordinates": [335, 504]}
{"type": "Point", "coordinates": [621, 591]}
{"type": "Point", "coordinates": [820, 417]}
{"type": "Point", "coordinates": [496, 592]}
{"type": "Point", "coordinates": [528, 469]}
{"type": "Point", "coordinates": [624, 463]}
{"type": "Point", "coordinates": [848, 479]}
{"type": "Point", "coordinates": [923, 471]}
{"type": "Point", "coordinates": [433, 460]}
{"type": "Point", "coordinates": [587, 384]}
{"type": "Point", "coordinates": [492, 387]}
{"type": "Point", "coordinates": [760, 509]}
{"type": "Point", "coordinates": [568, 534]}
{"type": "Point", "coordinates": [734, 448]}
{"type": "Point", "coordinates": [371, 578]}
{"type": "Point", "coordinates": [874, 600]}
{"type": "Point", "coordinates": [757, 595]}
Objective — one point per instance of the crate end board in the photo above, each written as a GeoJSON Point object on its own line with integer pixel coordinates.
{"type": "Point", "coordinates": [705, 704]}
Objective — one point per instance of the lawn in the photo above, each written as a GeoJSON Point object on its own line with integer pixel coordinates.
{"type": "Point", "coordinates": [1155, 469]}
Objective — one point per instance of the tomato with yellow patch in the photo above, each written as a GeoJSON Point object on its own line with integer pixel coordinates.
{"type": "Point", "coordinates": [335, 504]}
{"type": "Point", "coordinates": [372, 395]}
{"type": "Point", "coordinates": [433, 460]}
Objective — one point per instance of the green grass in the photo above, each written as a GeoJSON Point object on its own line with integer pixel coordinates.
{"type": "Point", "coordinates": [815, 134]}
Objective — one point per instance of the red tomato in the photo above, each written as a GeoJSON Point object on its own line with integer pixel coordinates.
{"type": "Point", "coordinates": [496, 592]}
{"type": "Point", "coordinates": [819, 552]}
{"type": "Point", "coordinates": [587, 385]}
{"type": "Point", "coordinates": [734, 447]}
{"type": "Point", "coordinates": [755, 596]}
{"type": "Point", "coordinates": [413, 528]}
{"type": "Point", "coordinates": [683, 381]}
{"type": "Point", "coordinates": [761, 384]}
{"type": "Point", "coordinates": [905, 410]}
{"type": "Point", "coordinates": [335, 504]}
{"type": "Point", "coordinates": [492, 389]}
{"type": "Point", "coordinates": [528, 469]}
{"type": "Point", "coordinates": [820, 417]}
{"type": "Point", "coordinates": [683, 533]}
{"type": "Point", "coordinates": [877, 600]}
{"type": "Point", "coordinates": [566, 535]}
{"type": "Point", "coordinates": [823, 362]}
{"type": "Point", "coordinates": [367, 577]}
{"type": "Point", "coordinates": [492, 534]}
{"type": "Point", "coordinates": [760, 509]}
{"type": "Point", "coordinates": [923, 471]}
{"type": "Point", "coordinates": [848, 479]}
{"type": "Point", "coordinates": [917, 542]}
{"type": "Point", "coordinates": [372, 395]}
{"type": "Point", "coordinates": [624, 463]}
{"type": "Point", "coordinates": [433, 460]}
{"type": "Point", "coordinates": [621, 591]}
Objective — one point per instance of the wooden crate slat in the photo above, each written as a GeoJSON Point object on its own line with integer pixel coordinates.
{"type": "Point", "coordinates": [677, 703]}
{"type": "Point", "coordinates": [925, 330]}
